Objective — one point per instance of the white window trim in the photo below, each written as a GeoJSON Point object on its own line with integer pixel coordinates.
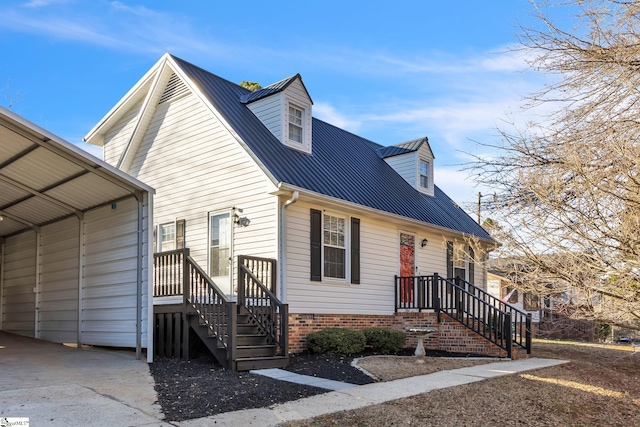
{"type": "Point", "coordinates": [159, 235]}
{"type": "Point", "coordinates": [429, 189]}
{"type": "Point", "coordinates": [305, 145]}
{"type": "Point", "coordinates": [212, 214]}
{"type": "Point", "coordinates": [347, 249]}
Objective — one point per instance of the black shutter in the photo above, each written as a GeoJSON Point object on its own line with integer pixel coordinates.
{"type": "Point", "coordinates": [472, 257]}
{"type": "Point", "coordinates": [355, 251]}
{"type": "Point", "coordinates": [316, 245]}
{"type": "Point", "coordinates": [180, 233]}
{"type": "Point", "coordinates": [449, 260]}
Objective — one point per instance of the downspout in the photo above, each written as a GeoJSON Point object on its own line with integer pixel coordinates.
{"type": "Point", "coordinates": [283, 245]}
{"type": "Point", "coordinates": [139, 199]}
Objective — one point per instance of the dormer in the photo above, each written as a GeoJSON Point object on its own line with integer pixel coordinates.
{"type": "Point", "coordinates": [412, 160]}
{"type": "Point", "coordinates": [285, 109]}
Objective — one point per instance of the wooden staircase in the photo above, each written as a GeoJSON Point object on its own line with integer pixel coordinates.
{"type": "Point", "coordinates": [254, 349]}
{"type": "Point", "coordinates": [244, 335]}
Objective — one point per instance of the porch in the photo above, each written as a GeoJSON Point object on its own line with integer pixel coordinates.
{"type": "Point", "coordinates": [458, 302]}
{"type": "Point", "coordinates": [248, 333]}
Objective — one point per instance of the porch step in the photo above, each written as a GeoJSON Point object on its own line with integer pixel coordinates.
{"type": "Point", "coordinates": [245, 351]}
{"type": "Point", "coordinates": [250, 363]}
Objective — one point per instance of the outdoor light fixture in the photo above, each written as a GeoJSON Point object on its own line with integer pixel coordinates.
{"type": "Point", "coordinates": [424, 243]}
{"type": "Point", "coordinates": [1, 218]}
{"type": "Point", "coordinates": [237, 219]}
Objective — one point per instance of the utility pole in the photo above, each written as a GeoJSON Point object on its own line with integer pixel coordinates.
{"type": "Point", "coordinates": [479, 198]}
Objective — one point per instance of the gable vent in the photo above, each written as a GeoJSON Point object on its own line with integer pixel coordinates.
{"type": "Point", "coordinates": [175, 89]}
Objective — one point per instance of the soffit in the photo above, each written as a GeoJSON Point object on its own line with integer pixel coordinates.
{"type": "Point", "coordinates": [44, 179]}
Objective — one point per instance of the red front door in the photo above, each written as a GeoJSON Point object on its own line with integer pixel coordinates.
{"type": "Point", "coordinates": [407, 266]}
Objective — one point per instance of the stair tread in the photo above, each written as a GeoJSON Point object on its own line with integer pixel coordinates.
{"type": "Point", "coordinates": [245, 359]}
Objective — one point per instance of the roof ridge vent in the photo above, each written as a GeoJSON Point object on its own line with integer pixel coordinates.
{"type": "Point", "coordinates": [175, 88]}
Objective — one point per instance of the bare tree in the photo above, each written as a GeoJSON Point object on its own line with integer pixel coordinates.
{"type": "Point", "coordinates": [567, 185]}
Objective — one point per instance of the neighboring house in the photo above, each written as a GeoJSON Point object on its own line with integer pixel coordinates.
{"type": "Point", "coordinates": [552, 315]}
{"type": "Point", "coordinates": [507, 291]}
{"type": "Point", "coordinates": [75, 262]}
{"type": "Point", "coordinates": [241, 173]}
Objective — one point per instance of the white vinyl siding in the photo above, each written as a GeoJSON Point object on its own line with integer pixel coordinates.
{"type": "Point", "coordinates": [115, 141]}
{"type": "Point", "coordinates": [19, 299]}
{"type": "Point", "coordinates": [273, 111]}
{"type": "Point", "coordinates": [268, 111]}
{"type": "Point", "coordinates": [405, 166]}
{"type": "Point", "coordinates": [109, 293]}
{"type": "Point", "coordinates": [58, 284]}
{"type": "Point", "coordinates": [379, 263]}
{"type": "Point", "coordinates": [408, 166]}
{"type": "Point", "coordinates": [197, 167]}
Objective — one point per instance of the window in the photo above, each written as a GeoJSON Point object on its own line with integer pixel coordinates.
{"type": "Point", "coordinates": [334, 246]}
{"type": "Point", "coordinates": [424, 174]}
{"type": "Point", "coordinates": [167, 237]}
{"type": "Point", "coordinates": [531, 302]}
{"type": "Point", "coordinates": [295, 124]}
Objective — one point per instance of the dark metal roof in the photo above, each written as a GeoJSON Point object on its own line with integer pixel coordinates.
{"type": "Point", "coordinates": [404, 147]}
{"type": "Point", "coordinates": [272, 89]}
{"type": "Point", "coordinates": [342, 165]}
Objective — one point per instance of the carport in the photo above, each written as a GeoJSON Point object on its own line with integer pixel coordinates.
{"type": "Point", "coordinates": [75, 261]}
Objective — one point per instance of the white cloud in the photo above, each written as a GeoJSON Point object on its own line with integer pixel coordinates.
{"type": "Point", "coordinates": [329, 114]}
{"type": "Point", "coordinates": [42, 3]}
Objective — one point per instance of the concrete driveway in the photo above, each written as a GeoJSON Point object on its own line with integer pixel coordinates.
{"type": "Point", "coordinates": [55, 385]}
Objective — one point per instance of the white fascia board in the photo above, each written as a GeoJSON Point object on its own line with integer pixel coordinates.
{"type": "Point", "coordinates": [356, 208]}
{"type": "Point", "coordinates": [71, 151]}
{"type": "Point", "coordinates": [94, 137]}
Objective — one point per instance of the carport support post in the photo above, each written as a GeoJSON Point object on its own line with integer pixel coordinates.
{"type": "Point", "coordinates": [80, 216]}
{"type": "Point", "coordinates": [36, 288]}
{"type": "Point", "coordinates": [1, 278]}
{"type": "Point", "coordinates": [139, 279]}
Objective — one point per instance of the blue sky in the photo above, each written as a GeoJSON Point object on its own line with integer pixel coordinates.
{"type": "Point", "coordinates": [390, 71]}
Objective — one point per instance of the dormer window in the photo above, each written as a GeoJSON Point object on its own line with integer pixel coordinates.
{"type": "Point", "coordinates": [295, 124]}
{"type": "Point", "coordinates": [424, 174]}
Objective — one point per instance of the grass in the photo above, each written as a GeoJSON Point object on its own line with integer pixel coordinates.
{"type": "Point", "coordinates": [600, 387]}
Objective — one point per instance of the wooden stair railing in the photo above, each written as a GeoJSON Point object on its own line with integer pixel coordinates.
{"type": "Point", "coordinates": [474, 309]}
{"type": "Point", "coordinates": [174, 269]}
{"type": "Point", "coordinates": [249, 334]}
{"type": "Point", "coordinates": [271, 315]}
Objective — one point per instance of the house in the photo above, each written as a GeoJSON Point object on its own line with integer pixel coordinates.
{"type": "Point", "coordinates": [75, 263]}
{"type": "Point", "coordinates": [553, 315]}
{"type": "Point", "coordinates": [507, 291]}
{"type": "Point", "coordinates": [244, 177]}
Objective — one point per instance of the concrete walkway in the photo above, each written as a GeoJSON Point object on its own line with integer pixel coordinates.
{"type": "Point", "coordinates": [54, 385]}
{"type": "Point", "coordinates": [350, 397]}
{"type": "Point", "coordinates": [292, 377]}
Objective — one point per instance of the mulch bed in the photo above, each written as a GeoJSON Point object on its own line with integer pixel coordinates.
{"type": "Point", "coordinates": [200, 387]}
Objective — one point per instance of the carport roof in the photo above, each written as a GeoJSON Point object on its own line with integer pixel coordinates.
{"type": "Point", "coordinates": [44, 178]}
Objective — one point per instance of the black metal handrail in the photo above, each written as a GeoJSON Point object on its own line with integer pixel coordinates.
{"type": "Point", "coordinates": [520, 320]}
{"type": "Point", "coordinates": [488, 319]}
{"type": "Point", "coordinates": [270, 314]}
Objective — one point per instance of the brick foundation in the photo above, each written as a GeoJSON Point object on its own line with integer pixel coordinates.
{"type": "Point", "coordinates": [451, 336]}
